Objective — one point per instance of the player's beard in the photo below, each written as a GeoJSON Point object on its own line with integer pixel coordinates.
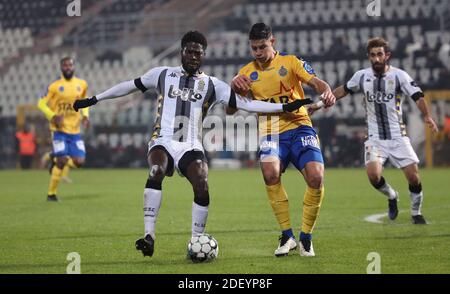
{"type": "Point", "coordinates": [379, 67]}
{"type": "Point", "coordinates": [68, 74]}
{"type": "Point", "coordinates": [191, 69]}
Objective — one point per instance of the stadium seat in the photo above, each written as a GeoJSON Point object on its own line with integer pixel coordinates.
{"type": "Point", "coordinates": [305, 28]}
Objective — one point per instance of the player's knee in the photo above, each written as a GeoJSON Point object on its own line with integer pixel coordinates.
{"type": "Point", "coordinates": [271, 178]}
{"type": "Point", "coordinates": [79, 162]}
{"type": "Point", "coordinates": [156, 173]}
{"type": "Point", "coordinates": [61, 162]}
{"type": "Point", "coordinates": [315, 181]}
{"type": "Point", "coordinates": [374, 178]}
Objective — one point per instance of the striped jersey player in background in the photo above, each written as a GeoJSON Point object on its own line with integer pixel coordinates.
{"type": "Point", "coordinates": [384, 87]}
{"type": "Point", "coordinates": [287, 138]}
{"type": "Point", "coordinates": [186, 94]}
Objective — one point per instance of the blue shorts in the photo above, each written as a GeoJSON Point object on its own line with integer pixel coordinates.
{"type": "Point", "coordinates": [68, 145]}
{"type": "Point", "coordinates": [299, 146]}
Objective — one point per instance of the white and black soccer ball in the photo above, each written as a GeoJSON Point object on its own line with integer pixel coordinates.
{"type": "Point", "coordinates": [203, 248]}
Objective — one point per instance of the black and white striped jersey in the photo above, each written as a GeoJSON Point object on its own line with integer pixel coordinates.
{"type": "Point", "coordinates": [383, 100]}
{"type": "Point", "coordinates": [185, 99]}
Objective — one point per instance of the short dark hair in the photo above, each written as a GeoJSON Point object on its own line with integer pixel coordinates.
{"type": "Point", "coordinates": [64, 59]}
{"type": "Point", "coordinates": [260, 31]}
{"type": "Point", "coordinates": [194, 36]}
{"type": "Point", "coordinates": [378, 42]}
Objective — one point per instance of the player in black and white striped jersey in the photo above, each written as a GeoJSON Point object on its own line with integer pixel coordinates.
{"type": "Point", "coordinates": [185, 95]}
{"type": "Point", "coordinates": [384, 88]}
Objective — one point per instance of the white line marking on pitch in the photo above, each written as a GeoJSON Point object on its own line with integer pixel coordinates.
{"type": "Point", "coordinates": [375, 218]}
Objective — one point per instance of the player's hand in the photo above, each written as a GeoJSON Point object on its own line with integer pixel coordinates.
{"type": "Point", "coordinates": [431, 124]}
{"type": "Point", "coordinates": [314, 107]}
{"type": "Point", "coordinates": [241, 84]}
{"type": "Point", "coordinates": [83, 103]}
{"type": "Point", "coordinates": [86, 123]}
{"type": "Point", "coordinates": [328, 98]}
{"type": "Point", "coordinates": [58, 121]}
{"type": "Point", "coordinates": [296, 104]}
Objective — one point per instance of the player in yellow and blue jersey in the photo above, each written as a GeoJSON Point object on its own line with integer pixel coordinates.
{"type": "Point", "coordinates": [285, 138]}
{"type": "Point", "coordinates": [68, 145]}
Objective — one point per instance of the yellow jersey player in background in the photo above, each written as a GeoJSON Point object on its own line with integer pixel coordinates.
{"type": "Point", "coordinates": [68, 145]}
{"type": "Point", "coordinates": [285, 138]}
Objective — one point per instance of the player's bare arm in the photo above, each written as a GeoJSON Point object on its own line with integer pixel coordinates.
{"type": "Point", "coordinates": [241, 84]}
{"type": "Point", "coordinates": [322, 88]}
{"type": "Point", "coordinates": [339, 93]}
{"type": "Point", "coordinates": [422, 105]}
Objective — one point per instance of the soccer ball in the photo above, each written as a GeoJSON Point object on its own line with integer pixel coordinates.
{"type": "Point", "coordinates": [203, 248]}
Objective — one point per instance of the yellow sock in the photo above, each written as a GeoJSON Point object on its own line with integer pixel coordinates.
{"type": "Point", "coordinates": [311, 207]}
{"type": "Point", "coordinates": [65, 171]}
{"type": "Point", "coordinates": [71, 164]}
{"type": "Point", "coordinates": [54, 180]}
{"type": "Point", "coordinates": [280, 205]}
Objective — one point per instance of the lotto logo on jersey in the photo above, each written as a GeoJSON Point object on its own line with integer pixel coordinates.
{"type": "Point", "coordinates": [186, 94]}
{"type": "Point", "coordinates": [379, 97]}
{"type": "Point", "coordinates": [310, 141]}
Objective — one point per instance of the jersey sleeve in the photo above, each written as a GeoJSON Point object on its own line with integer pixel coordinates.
{"type": "Point", "coordinates": [42, 104]}
{"type": "Point", "coordinates": [224, 94]}
{"type": "Point", "coordinates": [354, 84]}
{"type": "Point", "coordinates": [149, 80]}
{"type": "Point", "coordinates": [409, 86]}
{"type": "Point", "coordinates": [302, 69]}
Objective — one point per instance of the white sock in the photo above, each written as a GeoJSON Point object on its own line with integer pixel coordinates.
{"type": "Point", "coordinates": [199, 217]}
{"type": "Point", "coordinates": [416, 203]}
{"type": "Point", "coordinates": [387, 190]}
{"type": "Point", "coordinates": [152, 203]}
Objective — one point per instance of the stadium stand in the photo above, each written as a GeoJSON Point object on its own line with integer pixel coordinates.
{"type": "Point", "coordinates": [330, 34]}
{"type": "Point", "coordinates": [38, 16]}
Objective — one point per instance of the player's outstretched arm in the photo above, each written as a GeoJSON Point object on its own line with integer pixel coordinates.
{"type": "Point", "coordinates": [116, 91]}
{"type": "Point", "coordinates": [266, 107]}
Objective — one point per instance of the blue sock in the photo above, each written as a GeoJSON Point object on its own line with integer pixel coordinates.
{"type": "Point", "coordinates": [288, 232]}
{"type": "Point", "coordinates": [304, 236]}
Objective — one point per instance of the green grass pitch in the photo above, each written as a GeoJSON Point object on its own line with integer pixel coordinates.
{"type": "Point", "coordinates": [100, 216]}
